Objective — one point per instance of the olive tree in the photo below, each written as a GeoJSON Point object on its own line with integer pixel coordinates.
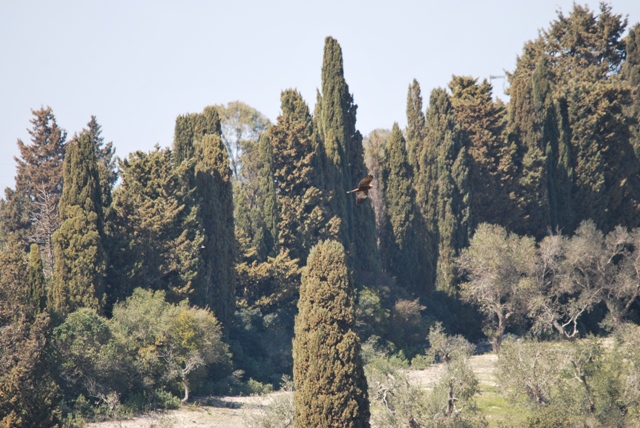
{"type": "Point", "coordinates": [499, 268]}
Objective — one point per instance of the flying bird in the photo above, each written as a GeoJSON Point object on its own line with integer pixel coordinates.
{"type": "Point", "coordinates": [362, 191]}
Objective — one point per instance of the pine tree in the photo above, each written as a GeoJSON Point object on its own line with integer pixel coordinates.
{"type": "Point", "coordinates": [37, 288]}
{"type": "Point", "coordinates": [403, 243]}
{"type": "Point", "coordinates": [442, 192]}
{"type": "Point", "coordinates": [79, 273]}
{"type": "Point", "coordinates": [31, 211]}
{"type": "Point", "coordinates": [303, 211]}
{"type": "Point", "coordinates": [215, 203]}
{"type": "Point", "coordinates": [331, 389]}
{"type": "Point", "coordinates": [416, 122]}
{"type": "Point", "coordinates": [345, 167]}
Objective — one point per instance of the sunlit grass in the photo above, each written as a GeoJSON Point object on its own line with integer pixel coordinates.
{"type": "Point", "coordinates": [499, 411]}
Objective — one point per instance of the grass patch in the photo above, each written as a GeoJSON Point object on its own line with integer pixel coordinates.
{"type": "Point", "coordinates": [499, 411]}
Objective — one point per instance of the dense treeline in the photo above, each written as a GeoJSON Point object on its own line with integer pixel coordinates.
{"type": "Point", "coordinates": [126, 283]}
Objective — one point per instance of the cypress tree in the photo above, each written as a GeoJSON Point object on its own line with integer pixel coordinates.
{"type": "Point", "coordinates": [331, 389]}
{"type": "Point", "coordinates": [105, 161]}
{"type": "Point", "coordinates": [443, 193]}
{"type": "Point", "coordinates": [345, 159]}
{"type": "Point", "coordinates": [79, 273]}
{"type": "Point", "coordinates": [303, 211]}
{"type": "Point", "coordinates": [532, 198]}
{"type": "Point", "coordinates": [491, 162]}
{"type": "Point", "coordinates": [268, 193]}
{"type": "Point", "coordinates": [215, 202]}
{"type": "Point", "coordinates": [29, 397]}
{"type": "Point", "coordinates": [403, 242]}
{"type": "Point", "coordinates": [631, 76]}
{"type": "Point", "coordinates": [36, 289]}
{"type": "Point", "coordinates": [156, 232]}
{"type": "Point", "coordinates": [584, 54]}
{"type": "Point", "coordinates": [190, 128]}
{"type": "Point", "coordinates": [557, 150]}
{"type": "Point", "coordinates": [416, 122]}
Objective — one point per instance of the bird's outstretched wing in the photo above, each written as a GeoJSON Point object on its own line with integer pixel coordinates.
{"type": "Point", "coordinates": [361, 196]}
{"type": "Point", "coordinates": [362, 191]}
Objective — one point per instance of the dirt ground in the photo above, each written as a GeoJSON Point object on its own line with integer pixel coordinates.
{"type": "Point", "coordinates": [222, 412]}
{"type": "Point", "coordinates": [232, 412]}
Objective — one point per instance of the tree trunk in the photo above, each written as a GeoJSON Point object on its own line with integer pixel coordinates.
{"type": "Point", "coordinates": [185, 384]}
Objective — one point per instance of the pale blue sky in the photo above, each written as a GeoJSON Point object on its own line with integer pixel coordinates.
{"type": "Point", "coordinates": [136, 65]}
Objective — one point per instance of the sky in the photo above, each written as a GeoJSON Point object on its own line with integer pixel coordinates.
{"type": "Point", "coordinates": [137, 65]}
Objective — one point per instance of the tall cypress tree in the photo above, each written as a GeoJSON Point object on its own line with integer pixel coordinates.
{"type": "Point", "coordinates": [559, 172]}
{"type": "Point", "coordinates": [256, 213]}
{"type": "Point", "coordinates": [416, 122]}
{"type": "Point", "coordinates": [532, 198]}
{"type": "Point", "coordinates": [345, 159]}
{"type": "Point", "coordinates": [105, 161]}
{"type": "Point", "coordinates": [36, 289]}
{"type": "Point", "coordinates": [79, 273]}
{"type": "Point", "coordinates": [268, 193]}
{"type": "Point", "coordinates": [190, 128]}
{"type": "Point", "coordinates": [404, 245]}
{"type": "Point", "coordinates": [631, 75]}
{"type": "Point", "coordinates": [492, 165]}
{"type": "Point", "coordinates": [443, 188]}
{"type": "Point", "coordinates": [331, 389]}
{"type": "Point", "coordinates": [303, 211]}
{"type": "Point", "coordinates": [215, 202]}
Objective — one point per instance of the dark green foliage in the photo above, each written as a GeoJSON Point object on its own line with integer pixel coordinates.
{"type": "Point", "coordinates": [490, 159]}
{"type": "Point", "coordinates": [443, 188]}
{"type": "Point", "coordinates": [556, 147]}
{"type": "Point", "coordinates": [28, 394]}
{"type": "Point", "coordinates": [631, 76]}
{"type": "Point", "coordinates": [191, 128]}
{"type": "Point", "coordinates": [105, 161]}
{"type": "Point", "coordinates": [269, 205]}
{"type": "Point", "coordinates": [336, 127]}
{"type": "Point", "coordinates": [157, 236]}
{"type": "Point", "coordinates": [606, 170]}
{"type": "Point", "coordinates": [331, 389]}
{"type": "Point", "coordinates": [79, 273]}
{"type": "Point", "coordinates": [416, 124]}
{"type": "Point", "coordinates": [215, 209]}
{"type": "Point", "coordinates": [404, 245]}
{"type": "Point", "coordinates": [303, 211]}
{"type": "Point", "coordinates": [569, 117]}
{"type": "Point", "coordinates": [37, 288]}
